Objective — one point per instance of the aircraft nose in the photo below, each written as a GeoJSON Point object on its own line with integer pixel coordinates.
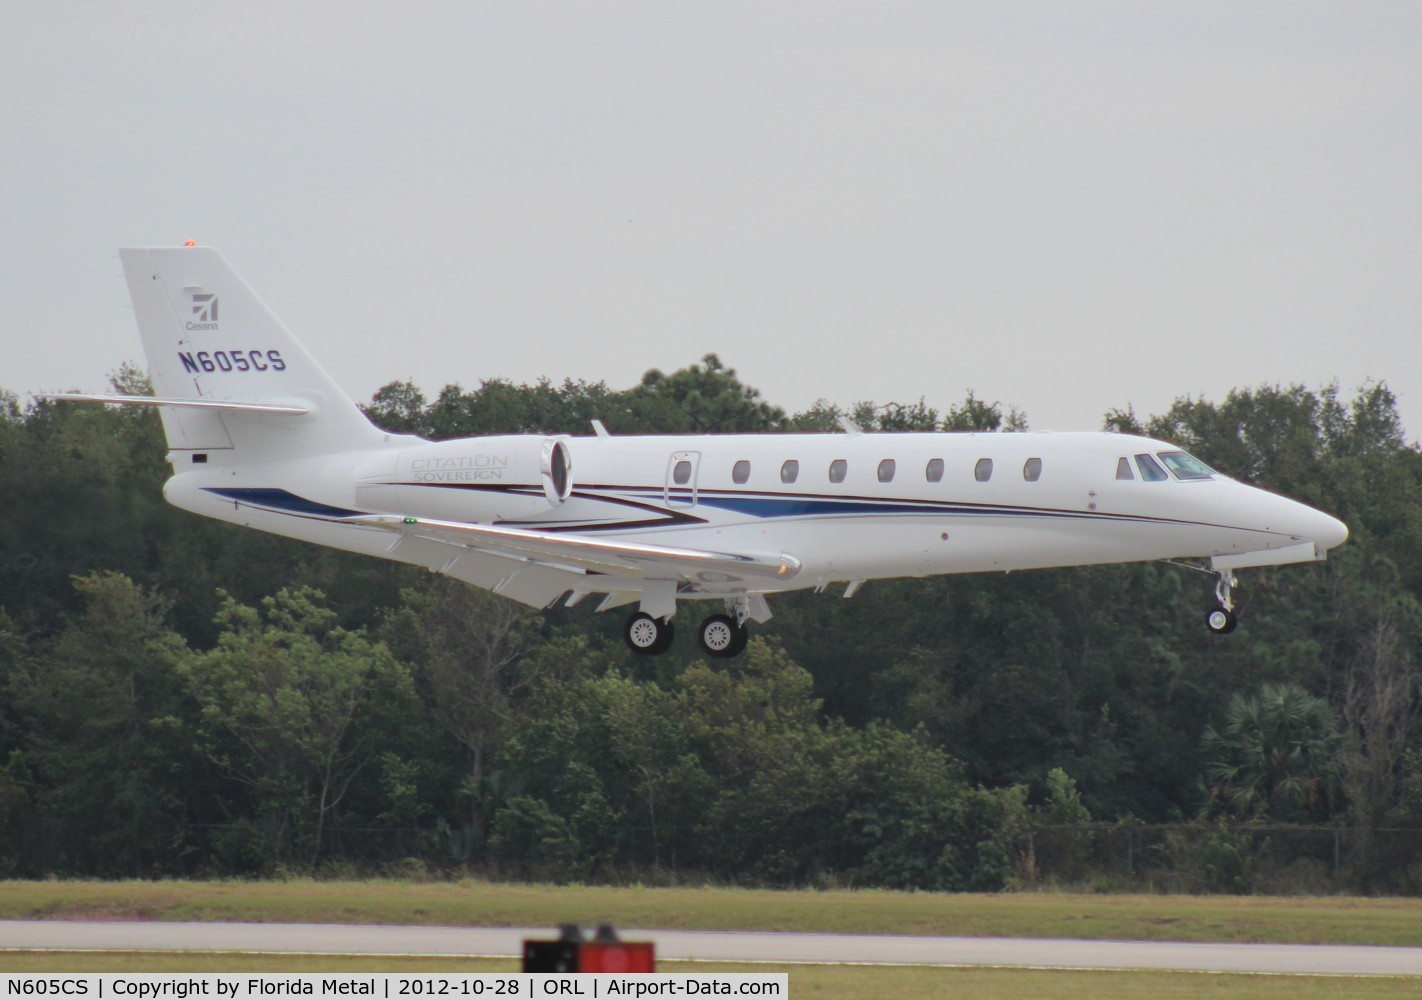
{"type": "Point", "coordinates": [1323, 530]}
{"type": "Point", "coordinates": [1329, 532]}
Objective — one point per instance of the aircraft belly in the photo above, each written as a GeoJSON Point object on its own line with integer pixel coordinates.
{"type": "Point", "coordinates": [877, 547]}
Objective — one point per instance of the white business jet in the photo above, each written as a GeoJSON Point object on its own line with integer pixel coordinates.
{"type": "Point", "coordinates": [259, 435]}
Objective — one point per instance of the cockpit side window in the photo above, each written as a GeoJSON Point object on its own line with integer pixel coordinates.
{"type": "Point", "coordinates": [1123, 468]}
{"type": "Point", "coordinates": [1151, 471]}
{"type": "Point", "coordinates": [1186, 466]}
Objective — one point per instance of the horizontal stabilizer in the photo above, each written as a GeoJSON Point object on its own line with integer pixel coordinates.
{"type": "Point", "coordinates": [235, 406]}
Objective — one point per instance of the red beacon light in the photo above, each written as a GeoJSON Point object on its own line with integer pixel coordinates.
{"type": "Point", "coordinates": [190, 243]}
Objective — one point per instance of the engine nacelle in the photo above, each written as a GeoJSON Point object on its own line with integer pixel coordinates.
{"type": "Point", "coordinates": [470, 479]}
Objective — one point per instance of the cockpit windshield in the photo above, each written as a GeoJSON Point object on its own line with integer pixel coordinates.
{"type": "Point", "coordinates": [1186, 466]}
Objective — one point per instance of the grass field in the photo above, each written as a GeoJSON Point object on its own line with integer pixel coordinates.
{"type": "Point", "coordinates": [820, 982]}
{"type": "Point", "coordinates": [1313, 920]}
{"type": "Point", "coordinates": [1334, 920]}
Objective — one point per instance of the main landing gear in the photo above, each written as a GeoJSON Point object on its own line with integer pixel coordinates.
{"type": "Point", "coordinates": [647, 635]}
{"type": "Point", "coordinates": [720, 635]}
{"type": "Point", "coordinates": [1221, 620]}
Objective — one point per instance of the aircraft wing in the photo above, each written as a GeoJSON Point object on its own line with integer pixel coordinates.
{"type": "Point", "coordinates": [591, 555]}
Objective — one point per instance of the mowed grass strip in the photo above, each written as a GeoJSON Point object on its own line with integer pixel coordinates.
{"type": "Point", "coordinates": [1314, 920]}
{"type": "Point", "coordinates": [820, 981]}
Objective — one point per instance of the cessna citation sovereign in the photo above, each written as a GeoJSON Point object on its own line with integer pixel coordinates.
{"type": "Point", "coordinates": [259, 435]}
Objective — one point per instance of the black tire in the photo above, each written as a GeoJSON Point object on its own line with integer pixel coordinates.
{"type": "Point", "coordinates": [647, 636]}
{"type": "Point", "coordinates": [720, 636]}
{"type": "Point", "coordinates": [668, 634]}
{"type": "Point", "coordinates": [742, 637]}
{"type": "Point", "coordinates": [1220, 621]}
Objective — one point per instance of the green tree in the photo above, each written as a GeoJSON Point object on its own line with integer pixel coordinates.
{"type": "Point", "coordinates": [974, 414]}
{"type": "Point", "coordinates": [466, 647]}
{"type": "Point", "coordinates": [700, 399]}
{"type": "Point", "coordinates": [1380, 712]}
{"type": "Point", "coordinates": [605, 778]}
{"type": "Point", "coordinates": [103, 743]}
{"type": "Point", "coordinates": [1276, 755]}
{"type": "Point", "coordinates": [757, 731]}
{"type": "Point", "coordinates": [399, 407]}
{"type": "Point", "coordinates": [285, 699]}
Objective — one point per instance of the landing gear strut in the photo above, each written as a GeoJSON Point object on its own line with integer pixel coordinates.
{"type": "Point", "coordinates": [1222, 620]}
{"type": "Point", "coordinates": [647, 635]}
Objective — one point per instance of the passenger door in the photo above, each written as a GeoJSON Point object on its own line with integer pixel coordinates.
{"type": "Point", "coordinates": [682, 470]}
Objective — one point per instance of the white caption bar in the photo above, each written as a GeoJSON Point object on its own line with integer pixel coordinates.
{"type": "Point", "coordinates": [385, 986]}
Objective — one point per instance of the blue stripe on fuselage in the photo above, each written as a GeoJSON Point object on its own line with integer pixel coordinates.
{"type": "Point", "coordinates": [281, 500]}
{"type": "Point", "coordinates": [809, 507]}
{"type": "Point", "coordinates": [805, 506]}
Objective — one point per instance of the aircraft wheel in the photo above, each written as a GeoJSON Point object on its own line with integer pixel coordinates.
{"type": "Point", "coordinates": [647, 635]}
{"type": "Point", "coordinates": [739, 646]}
{"type": "Point", "coordinates": [668, 634]}
{"type": "Point", "coordinates": [721, 637]}
{"type": "Point", "coordinates": [1220, 621]}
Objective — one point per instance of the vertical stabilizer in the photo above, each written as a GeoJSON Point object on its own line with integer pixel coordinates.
{"type": "Point", "coordinates": [207, 336]}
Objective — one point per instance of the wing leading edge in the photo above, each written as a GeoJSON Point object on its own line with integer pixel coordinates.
{"type": "Point", "coordinates": [591, 555]}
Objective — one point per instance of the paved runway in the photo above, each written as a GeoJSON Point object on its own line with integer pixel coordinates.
{"type": "Point", "coordinates": [719, 946]}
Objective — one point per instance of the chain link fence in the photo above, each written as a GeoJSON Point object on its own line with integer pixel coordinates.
{"type": "Point", "coordinates": [1228, 858]}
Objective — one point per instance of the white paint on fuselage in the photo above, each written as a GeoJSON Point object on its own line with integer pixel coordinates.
{"type": "Point", "coordinates": [1076, 513]}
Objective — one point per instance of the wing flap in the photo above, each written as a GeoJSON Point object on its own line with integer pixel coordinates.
{"type": "Point", "coordinates": [535, 584]}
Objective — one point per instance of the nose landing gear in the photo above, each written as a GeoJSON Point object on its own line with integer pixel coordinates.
{"type": "Point", "coordinates": [1222, 620]}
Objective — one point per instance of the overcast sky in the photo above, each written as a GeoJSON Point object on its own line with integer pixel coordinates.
{"type": "Point", "coordinates": [1066, 207]}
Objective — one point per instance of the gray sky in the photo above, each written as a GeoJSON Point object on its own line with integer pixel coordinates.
{"type": "Point", "coordinates": [1064, 206]}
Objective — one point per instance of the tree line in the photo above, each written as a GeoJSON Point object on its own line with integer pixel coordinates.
{"type": "Point", "coordinates": [183, 697]}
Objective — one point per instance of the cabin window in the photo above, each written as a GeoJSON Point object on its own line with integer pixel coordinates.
{"type": "Point", "coordinates": [681, 473]}
{"type": "Point", "coordinates": [1151, 471]}
{"type": "Point", "coordinates": [933, 472]}
{"type": "Point", "coordinates": [1123, 469]}
{"type": "Point", "coordinates": [1032, 470]}
{"type": "Point", "coordinates": [1186, 466]}
{"type": "Point", "coordinates": [886, 470]}
{"type": "Point", "coordinates": [790, 471]}
{"type": "Point", "coordinates": [982, 472]}
{"type": "Point", "coordinates": [740, 472]}
{"type": "Point", "coordinates": [839, 468]}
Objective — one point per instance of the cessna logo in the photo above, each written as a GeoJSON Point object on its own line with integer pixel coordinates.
{"type": "Point", "coordinates": [204, 311]}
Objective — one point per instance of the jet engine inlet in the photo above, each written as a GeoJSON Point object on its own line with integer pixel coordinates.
{"type": "Point", "coordinates": [557, 469]}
